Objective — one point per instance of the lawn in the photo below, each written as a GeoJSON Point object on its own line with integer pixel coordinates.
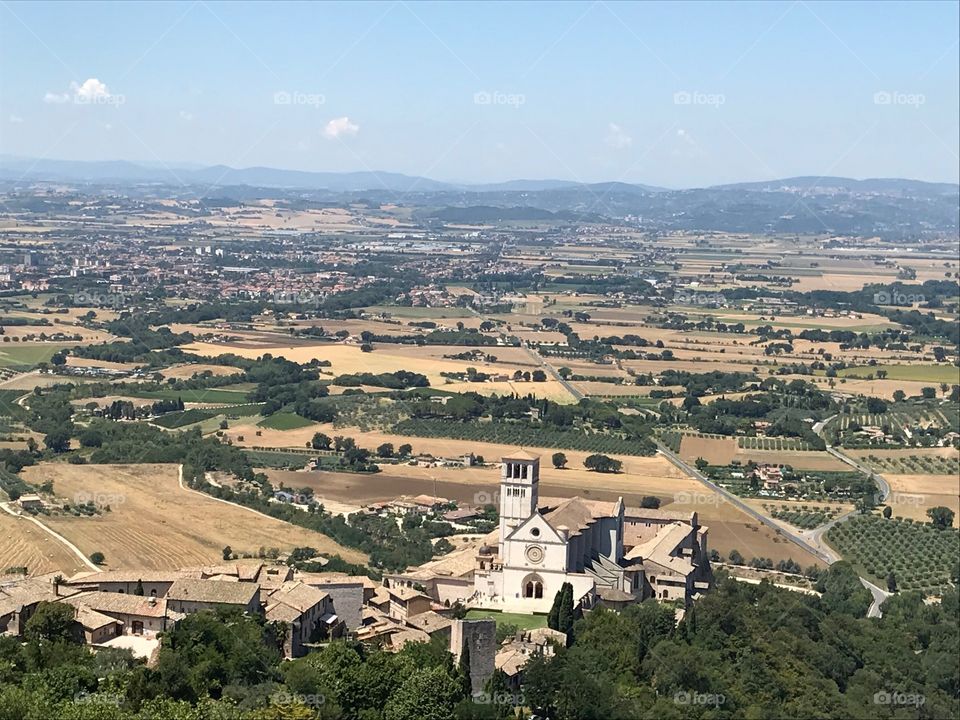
{"type": "Point", "coordinates": [920, 373]}
{"type": "Point", "coordinates": [284, 421]}
{"type": "Point", "coordinates": [524, 622]}
{"type": "Point", "coordinates": [26, 356]}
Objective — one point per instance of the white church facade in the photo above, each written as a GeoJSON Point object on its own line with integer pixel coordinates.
{"type": "Point", "coordinates": [603, 552]}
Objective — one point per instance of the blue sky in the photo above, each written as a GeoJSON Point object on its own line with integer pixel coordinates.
{"type": "Point", "coordinates": [674, 94]}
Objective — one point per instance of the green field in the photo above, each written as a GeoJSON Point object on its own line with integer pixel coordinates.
{"type": "Point", "coordinates": [27, 356]}
{"type": "Point", "coordinates": [524, 622]}
{"type": "Point", "coordinates": [420, 313]}
{"type": "Point", "coordinates": [284, 421]}
{"type": "Point", "coordinates": [217, 396]}
{"type": "Point", "coordinates": [922, 373]}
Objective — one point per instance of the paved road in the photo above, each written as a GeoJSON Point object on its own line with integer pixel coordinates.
{"type": "Point", "coordinates": [882, 484]}
{"type": "Point", "coordinates": [539, 359]}
{"type": "Point", "coordinates": [812, 542]}
{"type": "Point", "coordinates": [736, 501]}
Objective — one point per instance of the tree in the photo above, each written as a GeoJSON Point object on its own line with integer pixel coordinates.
{"type": "Point", "coordinates": [138, 590]}
{"type": "Point", "coordinates": [887, 512]}
{"type": "Point", "coordinates": [650, 501]}
{"type": "Point", "coordinates": [602, 463]}
{"type": "Point", "coordinates": [57, 440]}
{"type": "Point", "coordinates": [52, 622]}
{"type": "Point", "coordinates": [559, 460]}
{"type": "Point", "coordinates": [539, 376]}
{"type": "Point", "coordinates": [892, 582]}
{"type": "Point", "coordinates": [565, 372]}
{"type": "Point", "coordinates": [366, 347]}
{"type": "Point", "coordinates": [899, 395]}
{"type": "Point", "coordinates": [941, 517]}
{"type": "Point", "coordinates": [320, 441]}
{"type": "Point", "coordinates": [929, 393]}
{"type": "Point", "coordinates": [227, 552]}
{"type": "Point", "coordinates": [464, 671]}
{"type": "Point", "coordinates": [735, 557]}
{"type": "Point", "coordinates": [428, 694]}
{"type": "Point", "coordinates": [91, 437]}
{"type": "Point", "coordinates": [385, 450]}
{"type": "Point", "coordinates": [405, 450]}
{"type": "Point", "coordinates": [97, 558]}
{"type": "Point", "coordinates": [701, 464]}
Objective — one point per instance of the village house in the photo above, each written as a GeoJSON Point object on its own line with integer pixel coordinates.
{"type": "Point", "coordinates": [133, 614]}
{"type": "Point", "coordinates": [190, 596]}
{"type": "Point", "coordinates": [307, 612]}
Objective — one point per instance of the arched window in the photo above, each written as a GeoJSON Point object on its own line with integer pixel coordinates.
{"type": "Point", "coordinates": [533, 587]}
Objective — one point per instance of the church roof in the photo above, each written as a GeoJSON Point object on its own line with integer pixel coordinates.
{"type": "Point", "coordinates": [660, 547]}
{"type": "Point", "coordinates": [521, 455]}
{"type": "Point", "coordinates": [577, 514]}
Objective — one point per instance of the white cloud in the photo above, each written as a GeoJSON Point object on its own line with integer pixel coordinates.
{"type": "Point", "coordinates": [90, 92]}
{"type": "Point", "coordinates": [16, 119]}
{"type": "Point", "coordinates": [339, 127]}
{"type": "Point", "coordinates": [91, 89]}
{"type": "Point", "coordinates": [617, 138]}
{"type": "Point", "coordinates": [187, 116]}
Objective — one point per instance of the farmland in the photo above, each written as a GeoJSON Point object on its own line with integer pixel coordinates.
{"type": "Point", "coordinates": [153, 523]}
{"type": "Point", "coordinates": [23, 544]}
{"type": "Point", "coordinates": [919, 555]}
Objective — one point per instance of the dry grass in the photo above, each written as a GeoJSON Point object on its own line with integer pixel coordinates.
{"type": "Point", "coordinates": [912, 495]}
{"type": "Point", "coordinates": [23, 543]}
{"type": "Point", "coordinates": [154, 523]}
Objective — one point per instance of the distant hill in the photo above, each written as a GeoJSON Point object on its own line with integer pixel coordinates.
{"type": "Point", "coordinates": [891, 208]}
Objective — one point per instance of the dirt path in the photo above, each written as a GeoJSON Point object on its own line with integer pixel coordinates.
{"type": "Point", "coordinates": [66, 543]}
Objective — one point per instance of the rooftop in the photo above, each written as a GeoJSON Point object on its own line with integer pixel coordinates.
{"type": "Point", "coordinates": [213, 591]}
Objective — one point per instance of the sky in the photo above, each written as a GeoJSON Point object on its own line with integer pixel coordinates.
{"type": "Point", "coordinates": [672, 94]}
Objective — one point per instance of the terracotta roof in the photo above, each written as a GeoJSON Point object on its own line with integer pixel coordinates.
{"type": "Point", "coordinates": [92, 620]}
{"type": "Point", "coordinates": [405, 593]}
{"type": "Point", "coordinates": [660, 547]}
{"type": "Point", "coordinates": [297, 595]}
{"type": "Point", "coordinates": [213, 591]}
{"type": "Point", "coordinates": [572, 514]}
{"type": "Point", "coordinates": [430, 621]}
{"type": "Point", "coordinates": [120, 603]}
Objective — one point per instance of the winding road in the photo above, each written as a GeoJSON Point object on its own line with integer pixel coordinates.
{"type": "Point", "coordinates": [812, 540]}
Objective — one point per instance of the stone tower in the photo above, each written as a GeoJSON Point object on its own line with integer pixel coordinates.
{"type": "Point", "coordinates": [480, 637]}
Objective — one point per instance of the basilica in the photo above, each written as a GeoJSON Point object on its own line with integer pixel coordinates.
{"type": "Point", "coordinates": [610, 554]}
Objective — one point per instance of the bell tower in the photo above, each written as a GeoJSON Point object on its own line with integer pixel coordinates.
{"type": "Point", "coordinates": [519, 490]}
